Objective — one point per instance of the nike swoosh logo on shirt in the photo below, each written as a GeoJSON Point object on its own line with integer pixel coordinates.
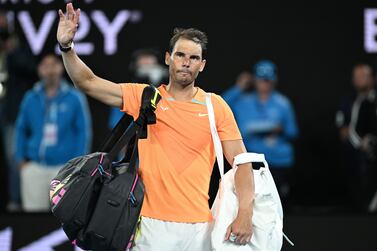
{"type": "Point", "coordinates": [202, 114]}
{"type": "Point", "coordinates": [164, 108]}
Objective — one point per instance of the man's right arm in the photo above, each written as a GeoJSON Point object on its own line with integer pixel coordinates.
{"type": "Point", "coordinates": [94, 86]}
{"type": "Point", "coordinates": [81, 75]}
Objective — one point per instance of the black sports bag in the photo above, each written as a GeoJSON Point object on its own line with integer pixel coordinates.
{"type": "Point", "coordinates": [98, 201]}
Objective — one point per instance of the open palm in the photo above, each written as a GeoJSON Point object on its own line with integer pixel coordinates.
{"type": "Point", "coordinates": [68, 24]}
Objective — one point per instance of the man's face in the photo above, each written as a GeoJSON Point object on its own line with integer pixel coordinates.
{"type": "Point", "coordinates": [185, 62]}
{"type": "Point", "coordinates": [362, 77]}
{"type": "Point", "coordinates": [264, 86]}
{"type": "Point", "coordinates": [50, 70]}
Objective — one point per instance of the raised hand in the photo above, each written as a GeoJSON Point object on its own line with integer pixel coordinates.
{"type": "Point", "coordinates": [67, 25]}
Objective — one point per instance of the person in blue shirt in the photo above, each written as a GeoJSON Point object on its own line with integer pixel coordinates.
{"type": "Point", "coordinates": [52, 127]}
{"type": "Point", "coordinates": [267, 122]}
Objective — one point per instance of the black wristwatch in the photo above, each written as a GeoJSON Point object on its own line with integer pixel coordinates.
{"type": "Point", "coordinates": [65, 49]}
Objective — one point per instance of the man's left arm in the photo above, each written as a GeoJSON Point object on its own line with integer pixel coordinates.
{"type": "Point", "coordinates": [244, 184]}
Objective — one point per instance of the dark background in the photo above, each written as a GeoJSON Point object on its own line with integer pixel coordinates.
{"type": "Point", "coordinates": [314, 47]}
{"type": "Point", "coordinates": [309, 233]}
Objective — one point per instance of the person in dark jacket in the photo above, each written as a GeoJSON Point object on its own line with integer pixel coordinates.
{"type": "Point", "coordinates": [356, 120]}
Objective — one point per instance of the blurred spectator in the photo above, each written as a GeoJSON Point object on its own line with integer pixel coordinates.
{"type": "Point", "coordinates": [17, 73]}
{"type": "Point", "coordinates": [53, 126]}
{"type": "Point", "coordinates": [267, 123]}
{"type": "Point", "coordinates": [3, 178]}
{"type": "Point", "coordinates": [4, 37]}
{"type": "Point", "coordinates": [144, 68]}
{"type": "Point", "coordinates": [244, 86]}
{"type": "Point", "coordinates": [357, 123]}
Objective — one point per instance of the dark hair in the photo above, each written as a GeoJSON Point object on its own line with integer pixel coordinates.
{"type": "Point", "coordinates": [192, 34]}
{"type": "Point", "coordinates": [49, 54]}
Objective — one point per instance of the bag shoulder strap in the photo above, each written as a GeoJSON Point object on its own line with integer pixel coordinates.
{"type": "Point", "coordinates": [122, 133]}
{"type": "Point", "coordinates": [215, 136]}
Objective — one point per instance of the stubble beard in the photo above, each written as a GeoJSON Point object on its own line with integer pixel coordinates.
{"type": "Point", "coordinates": [183, 82]}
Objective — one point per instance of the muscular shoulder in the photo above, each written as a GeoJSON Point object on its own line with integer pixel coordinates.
{"type": "Point", "coordinates": [133, 86]}
{"type": "Point", "coordinates": [221, 108]}
{"type": "Point", "coordinates": [131, 95]}
{"type": "Point", "coordinates": [225, 121]}
{"type": "Point", "coordinates": [218, 101]}
{"type": "Point", "coordinates": [133, 90]}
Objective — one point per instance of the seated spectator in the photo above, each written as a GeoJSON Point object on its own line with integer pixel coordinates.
{"type": "Point", "coordinates": [52, 127]}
